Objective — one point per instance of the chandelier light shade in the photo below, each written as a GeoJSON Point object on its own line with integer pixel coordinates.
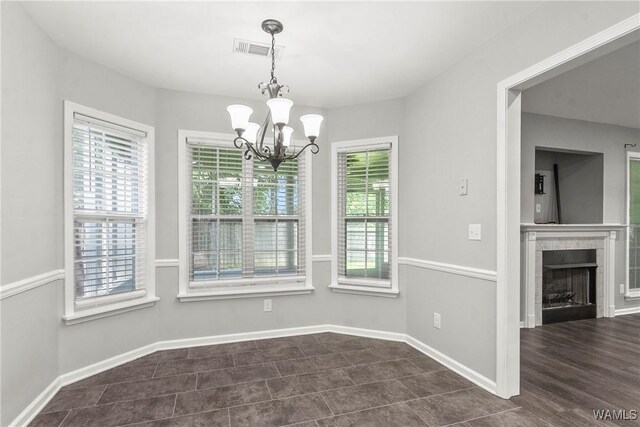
{"type": "Point", "coordinates": [239, 116]}
{"type": "Point", "coordinates": [251, 136]}
{"type": "Point", "coordinates": [311, 124]}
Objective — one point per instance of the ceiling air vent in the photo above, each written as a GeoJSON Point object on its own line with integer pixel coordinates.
{"type": "Point", "coordinates": [249, 47]}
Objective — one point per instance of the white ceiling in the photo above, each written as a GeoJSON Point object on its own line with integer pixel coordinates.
{"type": "Point", "coordinates": [605, 90]}
{"type": "Point", "coordinates": [337, 53]}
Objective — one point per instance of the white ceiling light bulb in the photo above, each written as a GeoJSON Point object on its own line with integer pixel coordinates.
{"type": "Point", "coordinates": [280, 108]}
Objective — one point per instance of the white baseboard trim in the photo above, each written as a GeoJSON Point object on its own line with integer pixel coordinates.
{"type": "Point", "coordinates": [459, 270]}
{"type": "Point", "coordinates": [454, 365]}
{"type": "Point", "coordinates": [243, 336]}
{"type": "Point", "coordinates": [30, 412]}
{"type": "Point", "coordinates": [29, 283]}
{"type": "Point", "coordinates": [630, 310]}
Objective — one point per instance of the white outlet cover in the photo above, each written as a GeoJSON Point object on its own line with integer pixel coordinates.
{"type": "Point", "coordinates": [475, 232]}
{"type": "Point", "coordinates": [622, 288]}
{"type": "Point", "coordinates": [267, 305]}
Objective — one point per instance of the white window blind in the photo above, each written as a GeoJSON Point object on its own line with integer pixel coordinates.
{"type": "Point", "coordinates": [245, 222]}
{"type": "Point", "coordinates": [110, 209]}
{"type": "Point", "coordinates": [364, 220]}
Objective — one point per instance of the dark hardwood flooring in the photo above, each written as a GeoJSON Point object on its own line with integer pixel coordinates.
{"type": "Point", "coordinates": [570, 369]}
{"type": "Point", "coordinates": [340, 380]}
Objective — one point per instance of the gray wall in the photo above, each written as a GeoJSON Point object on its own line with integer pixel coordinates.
{"type": "Point", "coordinates": [451, 132]}
{"type": "Point", "coordinates": [560, 133]}
{"type": "Point", "coordinates": [31, 161]}
{"type": "Point", "coordinates": [581, 178]}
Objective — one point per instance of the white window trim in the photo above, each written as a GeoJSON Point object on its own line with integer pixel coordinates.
{"type": "Point", "coordinates": [260, 287]}
{"type": "Point", "coordinates": [365, 286]}
{"type": "Point", "coordinates": [115, 304]}
{"type": "Point", "coordinates": [629, 293]}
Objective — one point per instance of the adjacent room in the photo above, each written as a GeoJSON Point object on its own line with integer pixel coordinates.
{"type": "Point", "coordinates": [317, 214]}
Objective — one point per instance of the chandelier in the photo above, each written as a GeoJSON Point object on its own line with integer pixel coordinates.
{"type": "Point", "coordinates": [252, 136]}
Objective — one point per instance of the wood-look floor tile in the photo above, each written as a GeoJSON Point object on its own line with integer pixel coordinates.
{"type": "Point", "coordinates": [331, 347]}
{"type": "Point", "coordinates": [283, 342]}
{"type": "Point", "coordinates": [148, 388]}
{"type": "Point", "coordinates": [364, 357]}
{"type": "Point", "coordinates": [120, 413]}
{"type": "Point", "coordinates": [359, 397]}
{"type": "Point", "coordinates": [74, 398]}
{"type": "Point", "coordinates": [160, 356]}
{"type": "Point", "coordinates": [331, 336]}
{"type": "Point", "coordinates": [382, 371]}
{"type": "Point", "coordinates": [268, 355]}
{"type": "Point", "coordinates": [280, 412]}
{"type": "Point", "coordinates": [458, 406]}
{"type": "Point", "coordinates": [308, 383]}
{"type": "Point", "coordinates": [398, 415]}
{"type": "Point", "coordinates": [116, 375]}
{"type": "Point", "coordinates": [394, 350]}
{"type": "Point", "coordinates": [187, 366]}
{"type": "Point", "coordinates": [513, 418]}
{"type": "Point", "coordinates": [49, 419]}
{"type": "Point", "coordinates": [242, 374]}
{"type": "Point", "coordinates": [438, 382]}
{"type": "Point", "coordinates": [427, 364]}
{"type": "Point", "coordinates": [218, 418]}
{"type": "Point", "coordinates": [220, 349]}
{"type": "Point", "coordinates": [221, 397]}
{"type": "Point", "coordinates": [312, 364]}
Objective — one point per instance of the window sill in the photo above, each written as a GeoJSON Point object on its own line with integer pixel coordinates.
{"type": "Point", "coordinates": [632, 295]}
{"type": "Point", "coordinates": [254, 292]}
{"type": "Point", "coordinates": [109, 310]}
{"type": "Point", "coordinates": [365, 290]}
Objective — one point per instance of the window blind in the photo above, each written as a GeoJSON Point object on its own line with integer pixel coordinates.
{"type": "Point", "coordinates": [245, 222]}
{"type": "Point", "coordinates": [109, 208]}
{"type": "Point", "coordinates": [364, 220]}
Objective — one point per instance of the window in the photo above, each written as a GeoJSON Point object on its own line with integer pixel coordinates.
{"type": "Point", "coordinates": [633, 221]}
{"type": "Point", "coordinates": [364, 258]}
{"type": "Point", "coordinates": [243, 226]}
{"type": "Point", "coordinates": [109, 243]}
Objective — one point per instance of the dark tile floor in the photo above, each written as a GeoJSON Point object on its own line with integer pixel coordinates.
{"type": "Point", "coordinates": [312, 381]}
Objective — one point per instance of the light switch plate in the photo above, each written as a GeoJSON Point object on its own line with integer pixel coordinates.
{"type": "Point", "coordinates": [463, 187]}
{"type": "Point", "coordinates": [622, 288]}
{"type": "Point", "coordinates": [538, 210]}
{"type": "Point", "coordinates": [475, 232]}
{"type": "Point", "coordinates": [267, 305]}
{"type": "Point", "coordinates": [436, 320]}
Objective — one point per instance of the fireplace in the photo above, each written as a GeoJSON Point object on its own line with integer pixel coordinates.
{"type": "Point", "coordinates": [568, 285]}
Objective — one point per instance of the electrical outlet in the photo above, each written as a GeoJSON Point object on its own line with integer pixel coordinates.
{"type": "Point", "coordinates": [538, 209]}
{"type": "Point", "coordinates": [622, 288]}
{"type": "Point", "coordinates": [463, 187]}
{"type": "Point", "coordinates": [267, 305]}
{"type": "Point", "coordinates": [436, 320]}
{"type": "Point", "coordinates": [475, 232]}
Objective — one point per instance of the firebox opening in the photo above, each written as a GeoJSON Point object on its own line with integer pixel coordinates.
{"type": "Point", "coordinates": [568, 285]}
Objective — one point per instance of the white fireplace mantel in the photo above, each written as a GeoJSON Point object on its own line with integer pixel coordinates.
{"type": "Point", "coordinates": [537, 238]}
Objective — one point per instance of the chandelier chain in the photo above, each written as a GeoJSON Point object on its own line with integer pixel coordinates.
{"type": "Point", "coordinates": [273, 58]}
